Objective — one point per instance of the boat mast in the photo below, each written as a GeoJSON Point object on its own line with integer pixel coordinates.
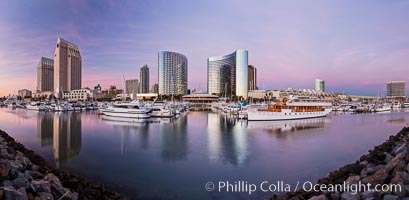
{"type": "Point", "coordinates": [123, 88]}
{"type": "Point", "coordinates": [225, 91]}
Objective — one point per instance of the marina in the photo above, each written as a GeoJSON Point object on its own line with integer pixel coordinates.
{"type": "Point", "coordinates": [196, 147]}
{"type": "Point", "coordinates": [129, 100]}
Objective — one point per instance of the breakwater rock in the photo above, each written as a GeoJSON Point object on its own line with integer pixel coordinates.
{"type": "Point", "coordinates": [25, 175]}
{"type": "Point", "coordinates": [387, 166]}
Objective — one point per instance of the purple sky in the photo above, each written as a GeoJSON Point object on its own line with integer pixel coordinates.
{"type": "Point", "coordinates": [355, 46]}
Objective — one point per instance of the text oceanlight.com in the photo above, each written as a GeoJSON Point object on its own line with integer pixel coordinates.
{"type": "Point", "coordinates": [281, 186]}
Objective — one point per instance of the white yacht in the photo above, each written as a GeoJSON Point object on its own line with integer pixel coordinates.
{"type": "Point", "coordinates": [68, 107]}
{"type": "Point", "coordinates": [11, 105]}
{"type": "Point", "coordinates": [58, 108]}
{"type": "Point", "coordinates": [383, 108]}
{"type": "Point", "coordinates": [158, 109]}
{"type": "Point", "coordinates": [396, 105]}
{"type": "Point", "coordinates": [290, 110]}
{"type": "Point", "coordinates": [129, 110]}
{"type": "Point", "coordinates": [35, 106]}
{"type": "Point", "coordinates": [242, 114]}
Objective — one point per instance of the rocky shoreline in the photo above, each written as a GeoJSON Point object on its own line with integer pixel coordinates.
{"type": "Point", "coordinates": [386, 164]}
{"type": "Point", "coordinates": [26, 175]}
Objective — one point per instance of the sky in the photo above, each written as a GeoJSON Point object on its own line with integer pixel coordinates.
{"type": "Point", "coordinates": [355, 46]}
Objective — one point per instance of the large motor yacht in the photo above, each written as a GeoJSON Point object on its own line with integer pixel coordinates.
{"type": "Point", "coordinates": [383, 108]}
{"type": "Point", "coordinates": [289, 110]}
{"type": "Point", "coordinates": [36, 106]}
{"type": "Point", "coordinates": [159, 109]}
{"type": "Point", "coordinates": [128, 109]}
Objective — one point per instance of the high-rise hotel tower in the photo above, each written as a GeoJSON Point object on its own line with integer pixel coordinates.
{"type": "Point", "coordinates": [228, 75]}
{"type": "Point", "coordinates": [67, 67]}
{"type": "Point", "coordinates": [45, 75]}
{"type": "Point", "coordinates": [172, 73]}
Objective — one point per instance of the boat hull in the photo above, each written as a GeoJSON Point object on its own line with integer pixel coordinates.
{"type": "Point", "coordinates": [279, 116]}
{"type": "Point", "coordinates": [161, 114]}
{"type": "Point", "coordinates": [127, 114]}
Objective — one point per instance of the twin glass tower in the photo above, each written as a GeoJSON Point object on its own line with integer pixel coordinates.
{"type": "Point", "coordinates": [228, 75]}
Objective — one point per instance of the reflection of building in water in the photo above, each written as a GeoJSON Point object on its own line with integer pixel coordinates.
{"type": "Point", "coordinates": [67, 136]}
{"type": "Point", "coordinates": [130, 128]}
{"type": "Point", "coordinates": [228, 141]}
{"type": "Point", "coordinates": [144, 136]}
{"type": "Point", "coordinates": [174, 140]}
{"type": "Point", "coordinates": [127, 130]}
{"type": "Point", "coordinates": [398, 121]}
{"type": "Point", "coordinates": [45, 128]}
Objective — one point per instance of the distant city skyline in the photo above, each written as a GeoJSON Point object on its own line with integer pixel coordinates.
{"type": "Point", "coordinates": [356, 47]}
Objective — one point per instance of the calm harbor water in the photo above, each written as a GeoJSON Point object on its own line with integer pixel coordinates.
{"type": "Point", "coordinates": [174, 159]}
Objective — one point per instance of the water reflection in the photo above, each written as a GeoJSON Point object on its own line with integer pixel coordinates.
{"type": "Point", "coordinates": [196, 148]}
{"type": "Point", "coordinates": [63, 132]}
{"type": "Point", "coordinates": [45, 124]}
{"type": "Point", "coordinates": [173, 134]}
{"type": "Point", "coordinates": [128, 127]}
{"type": "Point", "coordinates": [174, 141]}
{"type": "Point", "coordinates": [67, 136]}
{"type": "Point", "coordinates": [289, 125]}
{"type": "Point", "coordinates": [227, 140]}
{"type": "Point", "coordinates": [397, 121]}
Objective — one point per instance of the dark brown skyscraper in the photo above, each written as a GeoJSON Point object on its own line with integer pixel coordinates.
{"type": "Point", "coordinates": [45, 75]}
{"type": "Point", "coordinates": [252, 77]}
{"type": "Point", "coordinates": [67, 66]}
{"type": "Point", "coordinates": [144, 78]}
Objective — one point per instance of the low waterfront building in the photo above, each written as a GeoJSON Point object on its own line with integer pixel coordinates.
{"type": "Point", "coordinates": [43, 95]}
{"type": "Point", "coordinates": [122, 97]}
{"type": "Point", "coordinates": [79, 95]}
{"type": "Point", "coordinates": [200, 100]}
{"type": "Point", "coordinates": [113, 91]}
{"type": "Point", "coordinates": [147, 96]}
{"type": "Point", "coordinates": [24, 93]}
{"type": "Point", "coordinates": [395, 89]}
{"type": "Point", "coordinates": [259, 94]}
{"type": "Point", "coordinates": [363, 99]}
{"type": "Point", "coordinates": [291, 93]}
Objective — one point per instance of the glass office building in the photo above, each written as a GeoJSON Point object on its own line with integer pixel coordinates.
{"type": "Point", "coordinates": [172, 73]}
{"type": "Point", "coordinates": [319, 85]}
{"type": "Point", "coordinates": [228, 75]}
